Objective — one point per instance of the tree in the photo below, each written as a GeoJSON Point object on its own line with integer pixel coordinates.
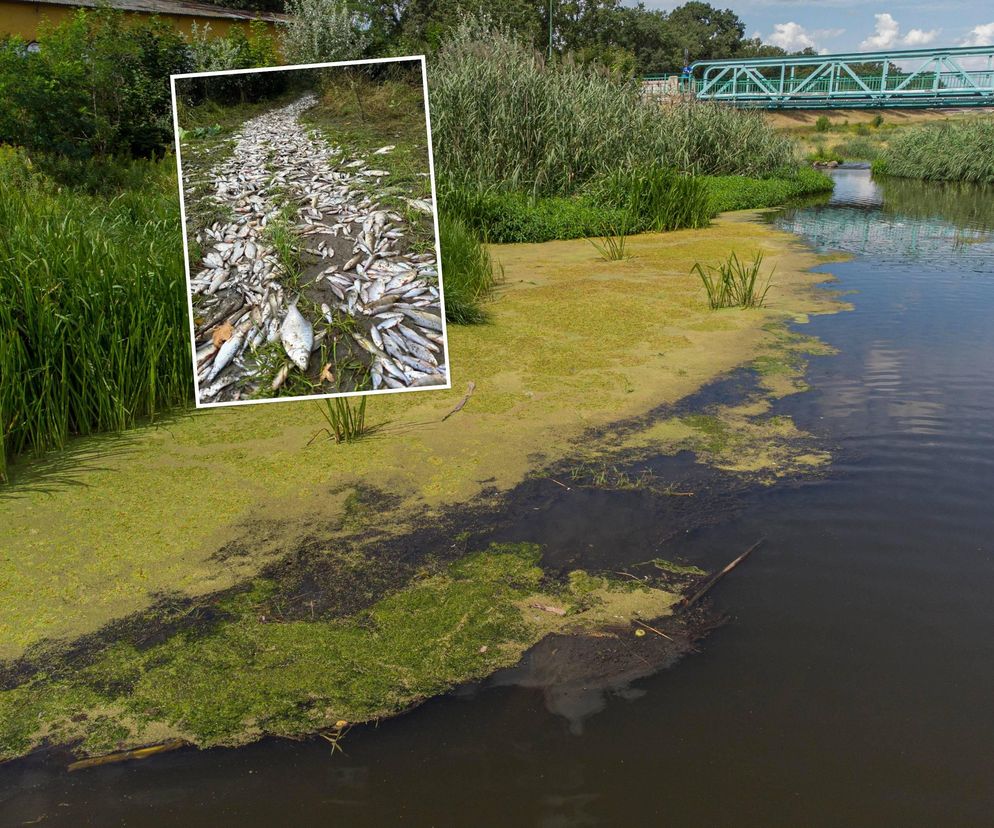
{"type": "Point", "coordinates": [705, 32]}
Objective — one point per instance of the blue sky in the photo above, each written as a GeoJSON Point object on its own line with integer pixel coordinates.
{"type": "Point", "coordinates": [856, 25]}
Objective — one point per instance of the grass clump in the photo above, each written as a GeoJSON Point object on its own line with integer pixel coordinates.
{"type": "Point", "coordinates": [346, 418]}
{"type": "Point", "coordinates": [613, 245]}
{"type": "Point", "coordinates": [469, 271]}
{"type": "Point", "coordinates": [955, 151]}
{"type": "Point", "coordinates": [734, 283]}
{"type": "Point", "coordinates": [93, 329]}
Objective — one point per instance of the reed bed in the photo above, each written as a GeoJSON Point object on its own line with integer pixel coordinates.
{"type": "Point", "coordinates": [93, 324]}
{"type": "Point", "coordinates": [956, 151]}
{"type": "Point", "coordinates": [502, 115]}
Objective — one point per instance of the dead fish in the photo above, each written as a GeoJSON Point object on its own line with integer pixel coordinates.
{"type": "Point", "coordinates": [226, 353]}
{"type": "Point", "coordinates": [423, 318]}
{"type": "Point", "coordinates": [297, 336]}
{"type": "Point", "coordinates": [281, 376]}
{"type": "Point", "coordinates": [384, 150]}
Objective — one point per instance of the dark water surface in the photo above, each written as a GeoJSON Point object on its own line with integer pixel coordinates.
{"type": "Point", "coordinates": [855, 684]}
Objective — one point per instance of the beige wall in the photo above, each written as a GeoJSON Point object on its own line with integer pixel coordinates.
{"type": "Point", "coordinates": [24, 18]}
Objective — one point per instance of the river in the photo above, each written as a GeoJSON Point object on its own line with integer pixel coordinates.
{"type": "Point", "coordinates": [854, 683]}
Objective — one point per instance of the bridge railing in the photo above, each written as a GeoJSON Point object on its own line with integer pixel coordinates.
{"type": "Point", "coordinates": [919, 77]}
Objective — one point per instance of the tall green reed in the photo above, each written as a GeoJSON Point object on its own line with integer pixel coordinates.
{"type": "Point", "coordinates": [93, 325]}
{"type": "Point", "coordinates": [957, 151]}
{"type": "Point", "coordinates": [734, 283]}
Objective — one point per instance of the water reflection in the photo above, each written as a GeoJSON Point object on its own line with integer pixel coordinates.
{"type": "Point", "coordinates": [898, 218]}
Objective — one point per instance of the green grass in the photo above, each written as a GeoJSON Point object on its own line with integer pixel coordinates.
{"type": "Point", "coordinates": [613, 245]}
{"type": "Point", "coordinates": [734, 192]}
{"type": "Point", "coordinates": [470, 278]}
{"type": "Point", "coordinates": [93, 323]}
{"type": "Point", "coordinates": [734, 283]}
{"type": "Point", "coordinates": [955, 151]}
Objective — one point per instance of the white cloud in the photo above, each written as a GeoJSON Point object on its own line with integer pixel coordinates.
{"type": "Point", "coordinates": [794, 37]}
{"type": "Point", "coordinates": [982, 35]}
{"type": "Point", "coordinates": [918, 37]}
{"type": "Point", "coordinates": [887, 35]}
{"type": "Point", "coordinates": [886, 31]}
{"type": "Point", "coordinates": [791, 36]}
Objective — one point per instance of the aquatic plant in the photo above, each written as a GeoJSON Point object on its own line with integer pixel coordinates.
{"type": "Point", "coordinates": [93, 324]}
{"type": "Point", "coordinates": [955, 151]}
{"type": "Point", "coordinates": [346, 418]}
{"type": "Point", "coordinates": [653, 198]}
{"type": "Point", "coordinates": [734, 283]}
{"type": "Point", "coordinates": [613, 245]}
{"type": "Point", "coordinates": [469, 276]}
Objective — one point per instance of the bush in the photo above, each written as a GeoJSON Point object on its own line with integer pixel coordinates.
{"type": "Point", "coordinates": [97, 86]}
{"type": "Point", "coordinates": [858, 149]}
{"type": "Point", "coordinates": [321, 31]}
{"type": "Point", "coordinates": [236, 50]}
{"type": "Point", "coordinates": [822, 124]}
{"type": "Point", "coordinates": [739, 193]}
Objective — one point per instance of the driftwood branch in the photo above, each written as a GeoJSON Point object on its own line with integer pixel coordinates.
{"type": "Point", "coordinates": [709, 582]}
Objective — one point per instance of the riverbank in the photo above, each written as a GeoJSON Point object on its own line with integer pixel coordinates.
{"type": "Point", "coordinates": [191, 532]}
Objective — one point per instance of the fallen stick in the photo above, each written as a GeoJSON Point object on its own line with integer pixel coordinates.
{"type": "Point", "coordinates": [125, 755]}
{"type": "Point", "coordinates": [469, 393]}
{"type": "Point", "coordinates": [653, 629]}
{"type": "Point", "coordinates": [687, 603]}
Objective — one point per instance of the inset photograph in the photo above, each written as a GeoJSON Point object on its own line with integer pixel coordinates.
{"type": "Point", "coordinates": [310, 231]}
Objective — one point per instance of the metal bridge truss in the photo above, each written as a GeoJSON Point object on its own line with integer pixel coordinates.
{"type": "Point", "coordinates": [910, 78]}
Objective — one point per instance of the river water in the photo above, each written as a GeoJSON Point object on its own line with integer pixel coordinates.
{"type": "Point", "coordinates": [854, 684]}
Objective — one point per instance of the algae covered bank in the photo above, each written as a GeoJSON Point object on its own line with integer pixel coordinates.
{"type": "Point", "coordinates": [147, 598]}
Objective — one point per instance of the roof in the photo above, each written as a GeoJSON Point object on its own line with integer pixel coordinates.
{"type": "Point", "coordinates": [180, 7]}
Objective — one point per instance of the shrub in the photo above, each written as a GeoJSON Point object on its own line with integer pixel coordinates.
{"type": "Point", "coordinates": [822, 124]}
{"type": "Point", "coordinates": [740, 193]}
{"type": "Point", "coordinates": [97, 86]}
{"type": "Point", "coordinates": [236, 50]}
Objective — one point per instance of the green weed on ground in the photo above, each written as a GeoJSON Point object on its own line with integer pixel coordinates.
{"type": "Point", "coordinates": [271, 667]}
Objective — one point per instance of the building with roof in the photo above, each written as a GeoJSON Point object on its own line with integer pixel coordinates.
{"type": "Point", "coordinates": [23, 17]}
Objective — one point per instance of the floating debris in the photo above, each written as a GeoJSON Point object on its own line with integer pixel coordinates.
{"type": "Point", "coordinates": [384, 295]}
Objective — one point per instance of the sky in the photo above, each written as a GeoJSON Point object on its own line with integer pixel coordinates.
{"type": "Point", "coordinates": [856, 25]}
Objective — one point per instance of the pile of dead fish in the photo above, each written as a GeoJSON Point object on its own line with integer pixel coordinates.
{"type": "Point", "coordinates": [240, 299]}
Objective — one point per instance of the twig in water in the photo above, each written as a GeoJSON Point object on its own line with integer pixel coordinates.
{"type": "Point", "coordinates": [711, 581]}
{"type": "Point", "coordinates": [469, 393]}
{"type": "Point", "coordinates": [653, 629]}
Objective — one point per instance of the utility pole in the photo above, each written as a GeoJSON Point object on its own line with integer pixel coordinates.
{"type": "Point", "coordinates": [550, 29]}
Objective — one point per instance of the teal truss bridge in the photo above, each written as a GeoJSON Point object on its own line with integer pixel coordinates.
{"type": "Point", "coordinates": [950, 77]}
